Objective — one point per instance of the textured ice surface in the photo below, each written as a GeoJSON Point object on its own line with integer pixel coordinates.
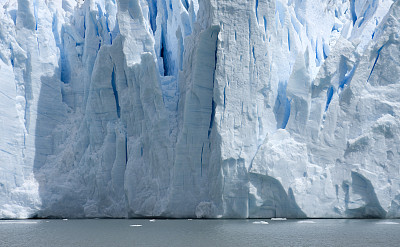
{"type": "Point", "coordinates": [214, 108]}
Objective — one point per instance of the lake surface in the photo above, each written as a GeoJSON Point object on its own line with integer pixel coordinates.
{"type": "Point", "coordinates": [114, 232]}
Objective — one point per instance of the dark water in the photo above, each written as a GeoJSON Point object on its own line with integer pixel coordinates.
{"type": "Point", "coordinates": [100, 232]}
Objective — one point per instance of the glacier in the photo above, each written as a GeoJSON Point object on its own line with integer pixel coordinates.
{"type": "Point", "coordinates": [208, 109]}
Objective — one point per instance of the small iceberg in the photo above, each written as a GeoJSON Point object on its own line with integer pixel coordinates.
{"type": "Point", "coordinates": [136, 225]}
{"type": "Point", "coordinates": [278, 219]}
{"type": "Point", "coordinates": [65, 219]}
{"type": "Point", "coordinates": [262, 222]}
{"type": "Point", "coordinates": [387, 223]}
{"type": "Point", "coordinates": [306, 222]}
{"type": "Point", "coordinates": [189, 219]}
{"type": "Point", "coordinates": [152, 220]}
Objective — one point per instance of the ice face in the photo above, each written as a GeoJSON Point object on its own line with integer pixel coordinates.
{"type": "Point", "coordinates": [182, 108]}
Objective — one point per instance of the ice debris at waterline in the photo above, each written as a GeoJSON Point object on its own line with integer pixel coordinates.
{"type": "Point", "coordinates": [278, 219]}
{"type": "Point", "coordinates": [306, 222]}
{"type": "Point", "coordinates": [208, 109]}
{"type": "Point", "coordinates": [17, 222]}
{"type": "Point", "coordinates": [387, 223]}
{"type": "Point", "coordinates": [262, 222]}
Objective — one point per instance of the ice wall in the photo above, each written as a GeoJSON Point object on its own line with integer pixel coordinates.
{"type": "Point", "coordinates": [216, 108]}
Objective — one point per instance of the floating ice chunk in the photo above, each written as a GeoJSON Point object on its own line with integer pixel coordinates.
{"type": "Point", "coordinates": [65, 219]}
{"type": "Point", "coordinates": [152, 220]}
{"type": "Point", "coordinates": [278, 219]}
{"type": "Point", "coordinates": [136, 225]}
{"type": "Point", "coordinates": [387, 223]}
{"type": "Point", "coordinates": [306, 222]}
{"type": "Point", "coordinates": [262, 222]}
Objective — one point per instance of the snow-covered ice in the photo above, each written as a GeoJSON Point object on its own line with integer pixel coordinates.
{"type": "Point", "coordinates": [206, 109]}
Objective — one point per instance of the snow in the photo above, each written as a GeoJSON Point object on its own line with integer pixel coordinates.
{"type": "Point", "coordinates": [206, 109]}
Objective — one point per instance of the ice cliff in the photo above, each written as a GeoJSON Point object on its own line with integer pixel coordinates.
{"type": "Point", "coordinates": [209, 108]}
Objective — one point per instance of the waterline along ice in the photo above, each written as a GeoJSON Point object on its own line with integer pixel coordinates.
{"type": "Point", "coordinates": [209, 108]}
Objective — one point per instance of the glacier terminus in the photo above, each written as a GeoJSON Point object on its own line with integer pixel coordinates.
{"type": "Point", "coordinates": [200, 108]}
